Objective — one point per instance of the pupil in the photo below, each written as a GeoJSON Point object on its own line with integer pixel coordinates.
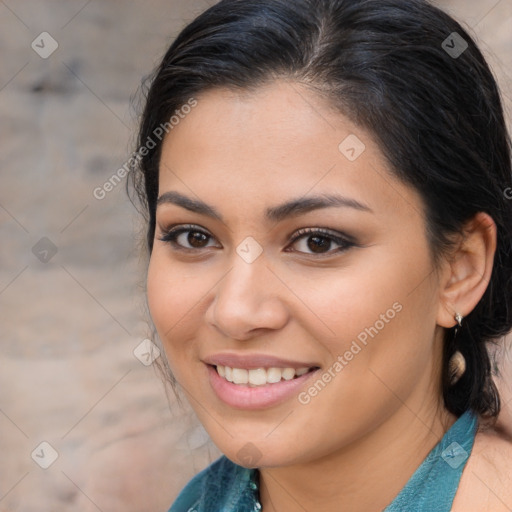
{"type": "Point", "coordinates": [318, 243]}
{"type": "Point", "coordinates": [196, 239]}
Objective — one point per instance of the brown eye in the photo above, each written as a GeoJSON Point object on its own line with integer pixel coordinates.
{"type": "Point", "coordinates": [188, 238]}
{"type": "Point", "coordinates": [197, 239]}
{"type": "Point", "coordinates": [318, 241]}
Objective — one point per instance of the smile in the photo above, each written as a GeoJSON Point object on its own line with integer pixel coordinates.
{"type": "Point", "coordinates": [258, 388]}
{"type": "Point", "coordinates": [259, 376]}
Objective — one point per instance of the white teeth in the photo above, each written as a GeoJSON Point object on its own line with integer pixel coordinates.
{"type": "Point", "coordinates": [288, 373]}
{"type": "Point", "coordinates": [240, 376]}
{"type": "Point", "coordinates": [259, 376]}
{"type": "Point", "coordinates": [274, 375]}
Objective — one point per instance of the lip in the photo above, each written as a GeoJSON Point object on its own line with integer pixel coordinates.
{"type": "Point", "coordinates": [241, 396]}
{"type": "Point", "coordinates": [253, 361]}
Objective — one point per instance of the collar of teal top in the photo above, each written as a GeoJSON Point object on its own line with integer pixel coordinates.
{"type": "Point", "coordinates": [434, 484]}
{"type": "Point", "coordinates": [227, 487]}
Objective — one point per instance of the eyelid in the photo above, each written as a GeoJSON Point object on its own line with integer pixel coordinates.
{"type": "Point", "coordinates": [182, 227]}
{"type": "Point", "coordinates": [336, 235]}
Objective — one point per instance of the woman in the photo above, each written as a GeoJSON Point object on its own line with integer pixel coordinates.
{"type": "Point", "coordinates": [330, 251]}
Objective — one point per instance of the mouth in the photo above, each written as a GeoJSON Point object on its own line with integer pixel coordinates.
{"type": "Point", "coordinates": [258, 388]}
{"type": "Point", "coordinates": [255, 381]}
{"type": "Point", "coordinates": [258, 377]}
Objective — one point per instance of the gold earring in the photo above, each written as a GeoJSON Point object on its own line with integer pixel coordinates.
{"type": "Point", "coordinates": [457, 364]}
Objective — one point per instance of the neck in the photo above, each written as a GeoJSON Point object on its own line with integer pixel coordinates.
{"type": "Point", "coordinates": [367, 475]}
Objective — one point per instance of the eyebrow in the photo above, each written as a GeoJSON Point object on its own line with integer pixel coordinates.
{"type": "Point", "coordinates": [278, 213]}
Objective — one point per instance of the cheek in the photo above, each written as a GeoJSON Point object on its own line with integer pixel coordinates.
{"type": "Point", "coordinates": [161, 295]}
{"type": "Point", "coordinates": [174, 299]}
{"type": "Point", "coordinates": [378, 313]}
{"type": "Point", "coordinates": [375, 327]}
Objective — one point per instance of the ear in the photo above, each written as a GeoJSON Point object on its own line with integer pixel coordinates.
{"type": "Point", "coordinates": [467, 271]}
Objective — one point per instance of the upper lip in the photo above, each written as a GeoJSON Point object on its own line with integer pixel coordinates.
{"type": "Point", "coordinates": [252, 361]}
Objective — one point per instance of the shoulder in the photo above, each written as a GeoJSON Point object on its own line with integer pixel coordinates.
{"type": "Point", "coordinates": [486, 482]}
{"type": "Point", "coordinates": [213, 485]}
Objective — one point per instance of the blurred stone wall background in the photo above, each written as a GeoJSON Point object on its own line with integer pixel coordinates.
{"type": "Point", "coordinates": [71, 282]}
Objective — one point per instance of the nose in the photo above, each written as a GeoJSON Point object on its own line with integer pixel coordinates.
{"type": "Point", "coordinates": [248, 301]}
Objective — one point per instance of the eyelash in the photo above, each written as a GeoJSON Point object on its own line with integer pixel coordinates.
{"type": "Point", "coordinates": [171, 234]}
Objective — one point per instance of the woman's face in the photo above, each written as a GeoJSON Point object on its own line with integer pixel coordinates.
{"type": "Point", "coordinates": [299, 249]}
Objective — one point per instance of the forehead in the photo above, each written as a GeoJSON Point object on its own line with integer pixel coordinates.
{"type": "Point", "coordinates": [279, 141]}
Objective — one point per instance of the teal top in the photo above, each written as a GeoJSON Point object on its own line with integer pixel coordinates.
{"type": "Point", "coordinates": [227, 487]}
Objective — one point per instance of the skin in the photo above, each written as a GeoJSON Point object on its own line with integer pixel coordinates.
{"type": "Point", "coordinates": [382, 414]}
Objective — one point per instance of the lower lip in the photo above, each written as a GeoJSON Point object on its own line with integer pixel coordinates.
{"type": "Point", "coordinates": [241, 396]}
